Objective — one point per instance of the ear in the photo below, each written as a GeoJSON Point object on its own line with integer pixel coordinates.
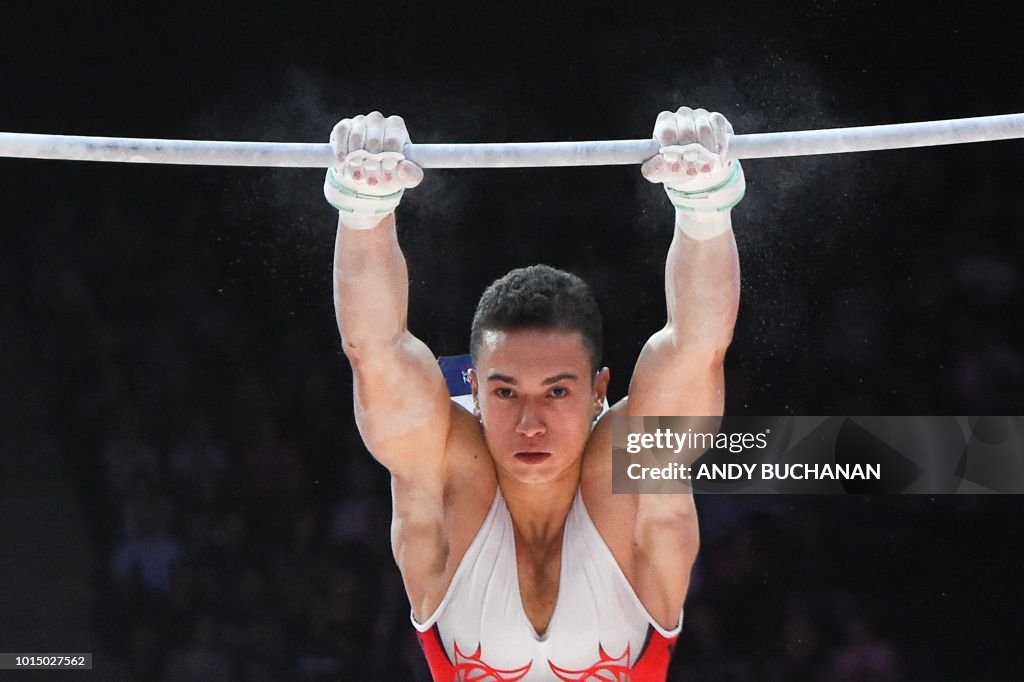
{"type": "Point", "coordinates": [474, 386]}
{"type": "Point", "coordinates": [601, 380]}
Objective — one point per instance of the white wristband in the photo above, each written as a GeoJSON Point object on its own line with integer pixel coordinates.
{"type": "Point", "coordinates": [350, 201]}
{"type": "Point", "coordinates": [343, 193]}
{"type": "Point", "coordinates": [711, 200]}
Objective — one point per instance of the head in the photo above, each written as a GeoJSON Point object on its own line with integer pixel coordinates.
{"type": "Point", "coordinates": [537, 380]}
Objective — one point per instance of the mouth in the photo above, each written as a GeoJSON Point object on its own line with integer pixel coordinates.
{"type": "Point", "coordinates": [532, 457]}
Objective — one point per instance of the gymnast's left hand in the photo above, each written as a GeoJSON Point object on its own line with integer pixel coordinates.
{"type": "Point", "coordinates": [694, 149]}
{"type": "Point", "coordinates": [693, 165]}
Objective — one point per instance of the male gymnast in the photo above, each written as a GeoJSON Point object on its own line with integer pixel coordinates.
{"type": "Point", "coordinates": [518, 561]}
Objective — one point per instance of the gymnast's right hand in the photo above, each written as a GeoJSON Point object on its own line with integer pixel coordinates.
{"type": "Point", "coordinates": [369, 173]}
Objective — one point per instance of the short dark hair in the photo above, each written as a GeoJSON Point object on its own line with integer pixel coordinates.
{"type": "Point", "coordinates": [539, 297]}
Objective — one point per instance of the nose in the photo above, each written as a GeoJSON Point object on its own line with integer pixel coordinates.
{"type": "Point", "coordinates": [530, 424]}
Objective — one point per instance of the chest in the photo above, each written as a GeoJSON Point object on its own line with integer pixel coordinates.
{"type": "Point", "coordinates": [539, 577]}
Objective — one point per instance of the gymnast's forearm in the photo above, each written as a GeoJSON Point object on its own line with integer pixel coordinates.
{"type": "Point", "coordinates": [702, 274]}
{"type": "Point", "coordinates": [702, 286]}
{"type": "Point", "coordinates": [366, 181]}
{"type": "Point", "coordinates": [371, 288]}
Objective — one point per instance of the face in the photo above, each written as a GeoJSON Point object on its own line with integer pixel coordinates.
{"type": "Point", "coordinates": [537, 400]}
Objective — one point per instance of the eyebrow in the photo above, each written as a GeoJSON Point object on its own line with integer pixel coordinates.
{"type": "Point", "coordinates": [504, 378]}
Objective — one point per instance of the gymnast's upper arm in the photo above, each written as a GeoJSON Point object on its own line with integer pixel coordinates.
{"type": "Point", "coordinates": [402, 406]}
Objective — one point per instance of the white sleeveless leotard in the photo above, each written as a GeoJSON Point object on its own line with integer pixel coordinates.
{"type": "Point", "coordinates": [598, 630]}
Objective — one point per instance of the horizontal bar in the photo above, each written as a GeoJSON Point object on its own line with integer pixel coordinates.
{"type": "Point", "coordinates": [510, 155]}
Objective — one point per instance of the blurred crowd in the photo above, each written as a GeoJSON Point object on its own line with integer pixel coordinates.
{"type": "Point", "coordinates": [231, 566]}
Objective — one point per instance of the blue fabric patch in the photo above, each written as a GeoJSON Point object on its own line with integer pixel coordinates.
{"type": "Point", "coordinates": [456, 373]}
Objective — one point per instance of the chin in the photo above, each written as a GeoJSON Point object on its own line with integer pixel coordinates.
{"type": "Point", "coordinates": [534, 470]}
{"type": "Point", "coordinates": [534, 477]}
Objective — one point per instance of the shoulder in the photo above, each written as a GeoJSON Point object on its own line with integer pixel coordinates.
{"type": "Point", "coordinates": [597, 455]}
{"type": "Point", "coordinates": [614, 515]}
{"type": "Point", "coordinates": [465, 480]}
{"type": "Point", "coordinates": [653, 537]}
{"type": "Point", "coordinates": [467, 460]}
{"type": "Point", "coordinates": [437, 516]}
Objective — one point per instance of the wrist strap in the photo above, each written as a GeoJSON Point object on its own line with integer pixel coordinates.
{"type": "Point", "coordinates": [350, 201]}
{"type": "Point", "coordinates": [715, 199]}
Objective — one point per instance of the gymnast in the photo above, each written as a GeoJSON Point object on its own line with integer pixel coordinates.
{"type": "Point", "coordinates": [518, 561]}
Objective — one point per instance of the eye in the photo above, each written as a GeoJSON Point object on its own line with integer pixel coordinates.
{"type": "Point", "coordinates": [559, 392]}
{"type": "Point", "coordinates": [504, 392]}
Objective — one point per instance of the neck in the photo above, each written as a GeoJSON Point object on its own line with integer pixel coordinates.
{"type": "Point", "coordinates": [539, 510]}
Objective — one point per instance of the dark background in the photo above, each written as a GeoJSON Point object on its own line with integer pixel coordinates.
{"type": "Point", "coordinates": [172, 392]}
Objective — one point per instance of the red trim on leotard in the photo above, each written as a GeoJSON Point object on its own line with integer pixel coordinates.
{"type": "Point", "coordinates": [437, 658]}
{"type": "Point", "coordinates": [651, 666]}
